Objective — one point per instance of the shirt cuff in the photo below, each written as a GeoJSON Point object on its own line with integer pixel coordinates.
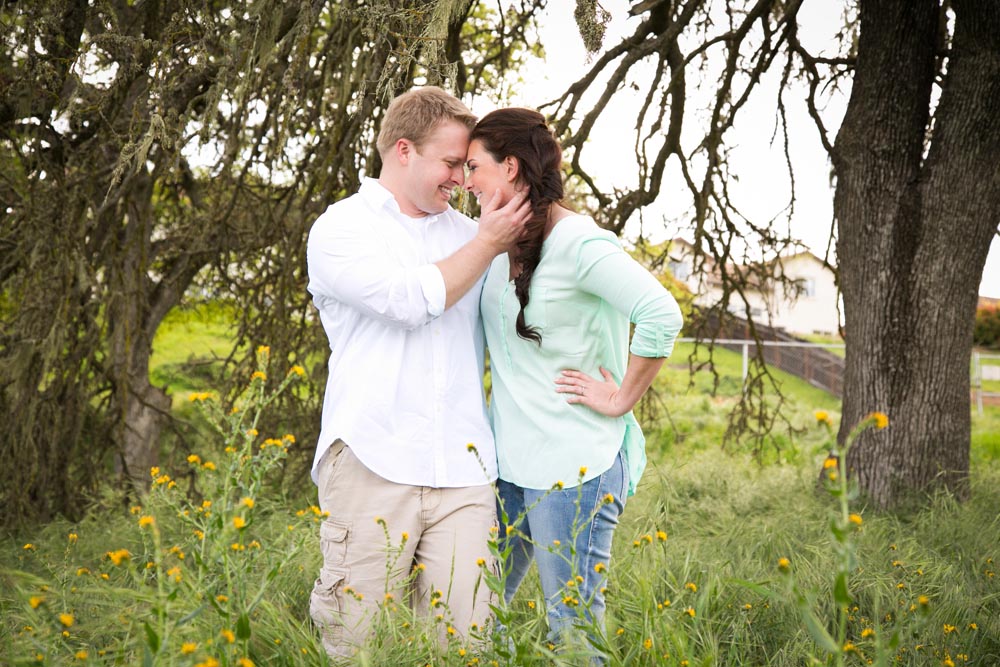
{"type": "Point", "coordinates": [653, 340]}
{"type": "Point", "coordinates": [432, 285]}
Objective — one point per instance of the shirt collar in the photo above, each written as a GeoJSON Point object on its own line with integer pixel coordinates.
{"type": "Point", "coordinates": [379, 197]}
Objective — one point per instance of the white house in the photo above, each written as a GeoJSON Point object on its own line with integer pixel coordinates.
{"type": "Point", "coordinates": [806, 305]}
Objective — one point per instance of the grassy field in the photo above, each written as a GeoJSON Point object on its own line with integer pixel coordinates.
{"type": "Point", "coordinates": [719, 560]}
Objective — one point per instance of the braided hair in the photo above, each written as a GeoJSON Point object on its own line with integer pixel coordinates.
{"type": "Point", "coordinates": [524, 135]}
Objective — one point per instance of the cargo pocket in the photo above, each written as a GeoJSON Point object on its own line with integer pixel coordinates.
{"type": "Point", "coordinates": [333, 543]}
{"type": "Point", "coordinates": [326, 604]}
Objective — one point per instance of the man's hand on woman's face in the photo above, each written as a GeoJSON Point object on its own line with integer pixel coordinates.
{"type": "Point", "coordinates": [501, 226]}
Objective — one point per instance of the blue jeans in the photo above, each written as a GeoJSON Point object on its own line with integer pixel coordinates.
{"type": "Point", "coordinates": [568, 532]}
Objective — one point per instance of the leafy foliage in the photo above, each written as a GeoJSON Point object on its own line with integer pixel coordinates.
{"type": "Point", "coordinates": [986, 331]}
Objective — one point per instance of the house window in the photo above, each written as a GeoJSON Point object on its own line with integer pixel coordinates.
{"type": "Point", "coordinates": [680, 270]}
{"type": "Point", "coordinates": [806, 286]}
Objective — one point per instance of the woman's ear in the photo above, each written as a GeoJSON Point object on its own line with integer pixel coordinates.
{"type": "Point", "coordinates": [512, 168]}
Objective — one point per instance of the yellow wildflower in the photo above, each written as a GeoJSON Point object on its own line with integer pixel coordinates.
{"type": "Point", "coordinates": [199, 534]}
{"type": "Point", "coordinates": [855, 519]}
{"type": "Point", "coordinates": [228, 636]}
{"type": "Point", "coordinates": [80, 655]}
{"type": "Point", "coordinates": [690, 612]}
{"type": "Point", "coordinates": [784, 564]}
{"type": "Point", "coordinates": [948, 629]}
{"type": "Point", "coordinates": [823, 417]}
{"type": "Point", "coordinates": [830, 462]}
{"type": "Point", "coordinates": [599, 568]}
{"type": "Point", "coordinates": [118, 556]}
{"type": "Point", "coordinates": [188, 648]}
{"type": "Point", "coordinates": [249, 502]}
{"type": "Point", "coordinates": [72, 537]}
{"type": "Point", "coordinates": [880, 418]}
{"type": "Point", "coordinates": [867, 632]}
{"type": "Point", "coordinates": [208, 465]}
{"type": "Point", "coordinates": [297, 370]}
{"type": "Point", "coordinates": [661, 536]}
{"type": "Point", "coordinates": [647, 643]}
{"type": "Point", "coordinates": [29, 547]}
{"type": "Point", "coordinates": [583, 470]}
{"type": "Point", "coordinates": [239, 522]}
{"type": "Point", "coordinates": [35, 601]}
{"type": "Point", "coordinates": [145, 521]}
{"type": "Point", "coordinates": [691, 587]}
{"type": "Point", "coordinates": [80, 571]}
{"type": "Point", "coordinates": [480, 562]}
{"type": "Point", "coordinates": [66, 619]}
{"type": "Point", "coordinates": [222, 598]}
{"type": "Point", "coordinates": [258, 375]}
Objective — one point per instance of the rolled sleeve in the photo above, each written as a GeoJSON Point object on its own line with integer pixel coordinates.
{"type": "Point", "coordinates": [606, 270]}
{"type": "Point", "coordinates": [432, 284]}
{"type": "Point", "coordinates": [657, 320]}
{"type": "Point", "coordinates": [349, 265]}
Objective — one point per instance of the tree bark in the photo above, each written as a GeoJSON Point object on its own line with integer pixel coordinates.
{"type": "Point", "coordinates": [916, 204]}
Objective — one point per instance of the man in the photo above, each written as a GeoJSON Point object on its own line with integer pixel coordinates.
{"type": "Point", "coordinates": [396, 275]}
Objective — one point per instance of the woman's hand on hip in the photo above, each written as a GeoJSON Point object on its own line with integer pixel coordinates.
{"type": "Point", "coordinates": [601, 396]}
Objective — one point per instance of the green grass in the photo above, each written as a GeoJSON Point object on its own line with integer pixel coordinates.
{"type": "Point", "coordinates": [189, 348]}
{"type": "Point", "coordinates": [694, 578]}
{"type": "Point", "coordinates": [835, 343]}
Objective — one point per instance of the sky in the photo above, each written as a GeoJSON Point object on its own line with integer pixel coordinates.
{"type": "Point", "coordinates": [762, 190]}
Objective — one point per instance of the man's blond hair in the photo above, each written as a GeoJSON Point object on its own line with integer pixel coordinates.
{"type": "Point", "coordinates": [415, 114]}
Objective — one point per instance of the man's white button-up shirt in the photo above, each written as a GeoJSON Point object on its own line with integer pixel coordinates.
{"type": "Point", "coordinates": [405, 387]}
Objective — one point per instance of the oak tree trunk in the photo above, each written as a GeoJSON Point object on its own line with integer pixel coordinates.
{"type": "Point", "coordinates": [917, 202]}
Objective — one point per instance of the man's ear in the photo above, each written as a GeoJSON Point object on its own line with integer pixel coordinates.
{"type": "Point", "coordinates": [403, 150]}
{"type": "Point", "coordinates": [512, 168]}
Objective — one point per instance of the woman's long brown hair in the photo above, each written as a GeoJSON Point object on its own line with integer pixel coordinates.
{"type": "Point", "coordinates": [524, 135]}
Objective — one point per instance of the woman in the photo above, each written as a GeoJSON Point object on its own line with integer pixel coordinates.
{"type": "Point", "coordinates": [556, 309]}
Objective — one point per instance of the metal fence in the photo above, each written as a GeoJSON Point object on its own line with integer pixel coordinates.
{"type": "Point", "coordinates": [817, 365]}
{"type": "Point", "coordinates": [812, 362]}
{"type": "Point", "coordinates": [985, 369]}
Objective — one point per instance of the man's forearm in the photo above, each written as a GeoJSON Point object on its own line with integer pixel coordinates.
{"type": "Point", "coordinates": [462, 269]}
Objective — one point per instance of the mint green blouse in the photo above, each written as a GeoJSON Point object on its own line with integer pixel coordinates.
{"type": "Point", "coordinates": [585, 291]}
